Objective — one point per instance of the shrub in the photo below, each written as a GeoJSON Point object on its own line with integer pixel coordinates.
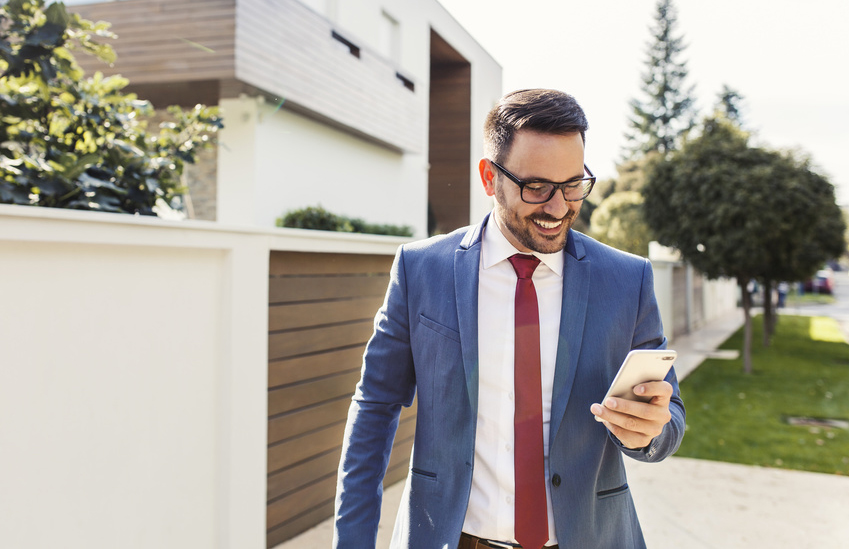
{"type": "Point", "coordinates": [317, 218]}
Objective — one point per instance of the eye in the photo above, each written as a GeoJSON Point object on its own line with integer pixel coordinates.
{"type": "Point", "coordinates": [536, 187]}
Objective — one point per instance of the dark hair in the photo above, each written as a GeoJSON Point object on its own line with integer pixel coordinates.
{"type": "Point", "coordinates": [539, 110]}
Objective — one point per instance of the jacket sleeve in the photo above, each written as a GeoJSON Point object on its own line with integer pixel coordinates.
{"type": "Point", "coordinates": [387, 382]}
{"type": "Point", "coordinates": [649, 334]}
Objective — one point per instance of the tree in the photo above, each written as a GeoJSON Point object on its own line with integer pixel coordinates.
{"type": "Point", "coordinates": [619, 222]}
{"type": "Point", "coordinates": [68, 141]}
{"type": "Point", "coordinates": [730, 104]}
{"type": "Point", "coordinates": [667, 113]}
{"type": "Point", "coordinates": [739, 211]}
{"type": "Point", "coordinates": [796, 254]}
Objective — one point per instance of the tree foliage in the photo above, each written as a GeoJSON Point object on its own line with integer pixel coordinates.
{"type": "Point", "coordinates": [740, 211]}
{"type": "Point", "coordinates": [660, 120]}
{"type": "Point", "coordinates": [730, 104]}
{"type": "Point", "coordinates": [69, 141]}
{"type": "Point", "coordinates": [619, 222]}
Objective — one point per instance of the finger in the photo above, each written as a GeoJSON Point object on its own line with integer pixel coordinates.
{"type": "Point", "coordinates": [629, 439]}
{"type": "Point", "coordinates": [631, 422]}
{"type": "Point", "coordinates": [655, 411]}
{"type": "Point", "coordinates": [654, 389]}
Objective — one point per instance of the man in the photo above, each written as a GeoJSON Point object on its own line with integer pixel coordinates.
{"type": "Point", "coordinates": [506, 454]}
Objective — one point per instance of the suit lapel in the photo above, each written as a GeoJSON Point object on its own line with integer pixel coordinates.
{"type": "Point", "coordinates": [466, 276]}
{"type": "Point", "coordinates": [576, 285]}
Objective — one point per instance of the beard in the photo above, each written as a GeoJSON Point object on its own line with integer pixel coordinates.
{"type": "Point", "coordinates": [525, 231]}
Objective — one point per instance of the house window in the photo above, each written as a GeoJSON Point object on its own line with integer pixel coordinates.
{"type": "Point", "coordinates": [389, 38]}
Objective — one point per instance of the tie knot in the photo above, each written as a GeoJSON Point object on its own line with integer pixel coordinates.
{"type": "Point", "coordinates": [524, 264]}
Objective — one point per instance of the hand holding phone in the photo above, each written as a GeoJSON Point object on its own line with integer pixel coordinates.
{"type": "Point", "coordinates": [639, 366]}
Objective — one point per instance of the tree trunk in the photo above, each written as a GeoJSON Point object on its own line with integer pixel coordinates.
{"type": "Point", "coordinates": [747, 327]}
{"type": "Point", "coordinates": [769, 313]}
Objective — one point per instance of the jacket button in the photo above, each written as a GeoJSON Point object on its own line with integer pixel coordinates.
{"type": "Point", "coordinates": [555, 480]}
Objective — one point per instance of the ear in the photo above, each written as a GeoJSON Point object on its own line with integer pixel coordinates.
{"type": "Point", "coordinates": [487, 177]}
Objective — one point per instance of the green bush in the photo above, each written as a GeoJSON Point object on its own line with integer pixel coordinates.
{"type": "Point", "coordinates": [71, 141]}
{"type": "Point", "coordinates": [317, 218]}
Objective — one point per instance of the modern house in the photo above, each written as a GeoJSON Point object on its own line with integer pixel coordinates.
{"type": "Point", "coordinates": [371, 109]}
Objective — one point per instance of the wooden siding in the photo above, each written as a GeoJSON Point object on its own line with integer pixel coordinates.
{"type": "Point", "coordinates": [288, 50]}
{"type": "Point", "coordinates": [450, 145]}
{"type": "Point", "coordinates": [277, 48]}
{"type": "Point", "coordinates": [321, 310]}
{"type": "Point", "coordinates": [167, 41]}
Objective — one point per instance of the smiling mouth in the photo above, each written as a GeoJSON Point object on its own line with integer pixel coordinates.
{"type": "Point", "coordinates": [548, 224]}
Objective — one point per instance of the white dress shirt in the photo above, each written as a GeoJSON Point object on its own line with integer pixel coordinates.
{"type": "Point", "coordinates": [490, 514]}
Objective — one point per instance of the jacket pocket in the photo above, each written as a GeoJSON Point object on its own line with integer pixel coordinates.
{"type": "Point", "coordinates": [439, 328]}
{"type": "Point", "coordinates": [422, 474]}
{"type": "Point", "coordinates": [614, 492]}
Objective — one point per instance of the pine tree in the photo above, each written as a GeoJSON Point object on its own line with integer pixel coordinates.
{"type": "Point", "coordinates": [668, 112]}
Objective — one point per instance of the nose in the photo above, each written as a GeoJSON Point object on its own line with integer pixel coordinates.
{"type": "Point", "coordinates": [558, 206]}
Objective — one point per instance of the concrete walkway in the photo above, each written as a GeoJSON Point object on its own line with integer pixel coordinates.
{"type": "Point", "coordinates": [687, 503]}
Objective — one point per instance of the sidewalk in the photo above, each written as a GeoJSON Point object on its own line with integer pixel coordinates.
{"type": "Point", "coordinates": [687, 503]}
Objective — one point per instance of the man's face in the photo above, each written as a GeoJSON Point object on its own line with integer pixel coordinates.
{"type": "Point", "coordinates": [536, 227]}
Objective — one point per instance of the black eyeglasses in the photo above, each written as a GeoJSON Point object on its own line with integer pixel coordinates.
{"type": "Point", "coordinates": [539, 192]}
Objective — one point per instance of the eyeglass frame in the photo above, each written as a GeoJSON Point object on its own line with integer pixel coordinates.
{"type": "Point", "coordinates": [561, 186]}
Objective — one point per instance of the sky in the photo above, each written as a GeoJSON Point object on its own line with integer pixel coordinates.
{"type": "Point", "coordinates": [787, 58]}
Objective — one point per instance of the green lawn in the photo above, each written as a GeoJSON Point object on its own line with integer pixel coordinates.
{"type": "Point", "coordinates": [742, 418]}
{"type": "Point", "coordinates": [795, 300]}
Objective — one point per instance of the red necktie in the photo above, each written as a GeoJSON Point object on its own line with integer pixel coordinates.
{"type": "Point", "coordinates": [531, 510]}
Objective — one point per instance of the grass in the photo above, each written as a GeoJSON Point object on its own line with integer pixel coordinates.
{"type": "Point", "coordinates": [742, 418]}
{"type": "Point", "coordinates": [794, 300]}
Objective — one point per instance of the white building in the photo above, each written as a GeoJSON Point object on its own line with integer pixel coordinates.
{"type": "Point", "coordinates": [371, 109]}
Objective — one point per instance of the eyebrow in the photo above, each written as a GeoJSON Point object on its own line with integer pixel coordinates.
{"type": "Point", "coordinates": [546, 180]}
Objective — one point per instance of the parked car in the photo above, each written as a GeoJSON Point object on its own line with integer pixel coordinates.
{"type": "Point", "coordinates": [821, 283]}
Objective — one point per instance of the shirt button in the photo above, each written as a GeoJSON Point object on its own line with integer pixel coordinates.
{"type": "Point", "coordinates": [508, 447]}
{"type": "Point", "coordinates": [555, 480]}
{"type": "Point", "coordinates": [510, 395]}
{"type": "Point", "coordinates": [509, 500]}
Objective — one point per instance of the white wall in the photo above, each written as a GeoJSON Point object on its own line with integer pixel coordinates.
{"type": "Point", "coordinates": [133, 378]}
{"type": "Point", "coordinates": [719, 297]}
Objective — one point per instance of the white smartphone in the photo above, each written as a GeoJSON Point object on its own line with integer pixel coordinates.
{"type": "Point", "coordinates": [640, 366]}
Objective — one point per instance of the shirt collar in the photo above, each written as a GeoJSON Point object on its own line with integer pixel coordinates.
{"type": "Point", "coordinates": [496, 248]}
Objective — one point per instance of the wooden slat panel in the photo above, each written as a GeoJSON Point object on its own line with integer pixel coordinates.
{"type": "Point", "coordinates": [293, 370]}
{"type": "Point", "coordinates": [302, 474]}
{"type": "Point", "coordinates": [307, 419]}
{"type": "Point", "coordinates": [313, 340]}
{"type": "Point", "coordinates": [450, 125]}
{"type": "Point", "coordinates": [149, 45]}
{"type": "Point", "coordinates": [305, 498]}
{"type": "Point", "coordinates": [298, 449]}
{"type": "Point", "coordinates": [315, 350]}
{"type": "Point", "coordinates": [292, 480]}
{"type": "Point", "coordinates": [285, 289]}
{"type": "Point", "coordinates": [302, 315]}
{"type": "Point", "coordinates": [300, 523]}
{"type": "Point", "coordinates": [292, 397]}
{"type": "Point", "coordinates": [301, 263]}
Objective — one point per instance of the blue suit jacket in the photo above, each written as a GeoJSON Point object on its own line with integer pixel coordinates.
{"type": "Point", "coordinates": [426, 341]}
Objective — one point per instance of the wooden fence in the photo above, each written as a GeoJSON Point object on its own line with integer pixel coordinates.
{"type": "Point", "coordinates": [321, 310]}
